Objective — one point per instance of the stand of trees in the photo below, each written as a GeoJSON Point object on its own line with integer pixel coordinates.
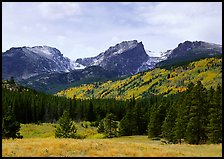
{"type": "Point", "coordinates": [194, 115]}
{"type": "Point", "coordinates": [10, 127]}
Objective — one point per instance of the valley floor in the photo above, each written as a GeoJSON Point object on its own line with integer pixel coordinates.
{"type": "Point", "coordinates": [122, 146]}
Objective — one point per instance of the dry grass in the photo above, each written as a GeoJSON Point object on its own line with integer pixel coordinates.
{"type": "Point", "coordinates": [124, 146]}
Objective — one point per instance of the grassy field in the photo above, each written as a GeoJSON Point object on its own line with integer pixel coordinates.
{"type": "Point", "coordinates": [44, 130]}
{"type": "Point", "coordinates": [47, 130]}
{"type": "Point", "coordinates": [45, 145]}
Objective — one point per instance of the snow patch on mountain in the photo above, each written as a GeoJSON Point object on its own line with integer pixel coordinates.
{"type": "Point", "coordinates": [125, 46]}
{"type": "Point", "coordinates": [98, 59]}
{"type": "Point", "coordinates": [111, 52]}
{"type": "Point", "coordinates": [166, 54]}
{"type": "Point", "coordinates": [44, 51]}
{"type": "Point", "coordinates": [153, 53]}
{"type": "Point", "coordinates": [149, 64]}
{"type": "Point", "coordinates": [25, 76]}
{"type": "Point", "coordinates": [76, 66]}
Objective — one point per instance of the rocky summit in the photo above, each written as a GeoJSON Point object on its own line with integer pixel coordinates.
{"type": "Point", "coordinates": [126, 58]}
{"type": "Point", "coordinates": [25, 62]}
{"type": "Point", "coordinates": [189, 51]}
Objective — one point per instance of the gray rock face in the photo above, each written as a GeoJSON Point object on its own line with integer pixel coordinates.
{"type": "Point", "coordinates": [189, 51]}
{"type": "Point", "coordinates": [195, 48]}
{"type": "Point", "coordinates": [25, 62]}
{"type": "Point", "coordinates": [125, 58]}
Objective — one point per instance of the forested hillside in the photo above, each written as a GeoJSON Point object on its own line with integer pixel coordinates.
{"type": "Point", "coordinates": [182, 103]}
{"type": "Point", "coordinates": [153, 82]}
{"type": "Point", "coordinates": [194, 115]}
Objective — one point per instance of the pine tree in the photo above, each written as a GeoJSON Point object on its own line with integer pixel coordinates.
{"type": "Point", "coordinates": [196, 127]}
{"type": "Point", "coordinates": [168, 124]}
{"type": "Point", "coordinates": [183, 108]}
{"type": "Point", "coordinates": [67, 128]}
{"type": "Point", "coordinates": [157, 117]}
{"type": "Point", "coordinates": [128, 125]}
{"type": "Point", "coordinates": [10, 127]}
{"type": "Point", "coordinates": [215, 116]}
{"type": "Point", "coordinates": [140, 116]}
{"type": "Point", "coordinates": [72, 107]}
{"type": "Point", "coordinates": [111, 126]}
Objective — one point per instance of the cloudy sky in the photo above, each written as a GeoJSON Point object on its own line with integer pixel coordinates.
{"type": "Point", "coordinates": [85, 29]}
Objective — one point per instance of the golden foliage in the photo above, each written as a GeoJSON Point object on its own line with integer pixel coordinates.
{"type": "Point", "coordinates": [156, 81]}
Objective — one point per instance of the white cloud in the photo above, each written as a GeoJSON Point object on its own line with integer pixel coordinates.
{"type": "Point", "coordinates": [177, 14]}
{"type": "Point", "coordinates": [177, 22]}
{"type": "Point", "coordinates": [87, 29]}
{"type": "Point", "coordinates": [59, 10]}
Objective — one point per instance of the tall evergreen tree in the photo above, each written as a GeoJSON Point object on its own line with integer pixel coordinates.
{"type": "Point", "coordinates": [168, 124]}
{"type": "Point", "coordinates": [111, 126]}
{"type": "Point", "coordinates": [141, 120]}
{"type": "Point", "coordinates": [182, 117]}
{"type": "Point", "coordinates": [128, 125]}
{"type": "Point", "coordinates": [157, 117]}
{"type": "Point", "coordinates": [215, 116]}
{"type": "Point", "coordinates": [72, 108]}
{"type": "Point", "coordinates": [196, 127]}
{"type": "Point", "coordinates": [10, 127]}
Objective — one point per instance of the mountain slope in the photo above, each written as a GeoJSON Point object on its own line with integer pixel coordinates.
{"type": "Point", "coordinates": [46, 69]}
{"type": "Point", "coordinates": [54, 82]}
{"type": "Point", "coordinates": [156, 81]}
{"type": "Point", "coordinates": [189, 51]}
{"type": "Point", "coordinates": [25, 62]}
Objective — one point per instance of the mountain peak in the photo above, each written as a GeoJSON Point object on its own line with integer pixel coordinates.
{"type": "Point", "coordinates": [24, 62]}
{"type": "Point", "coordinates": [197, 44]}
{"type": "Point", "coordinates": [190, 51]}
{"type": "Point", "coordinates": [125, 57]}
{"type": "Point", "coordinates": [46, 51]}
{"type": "Point", "coordinates": [121, 47]}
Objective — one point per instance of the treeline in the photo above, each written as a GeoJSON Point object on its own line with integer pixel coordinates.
{"type": "Point", "coordinates": [30, 106]}
{"type": "Point", "coordinates": [194, 115]}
